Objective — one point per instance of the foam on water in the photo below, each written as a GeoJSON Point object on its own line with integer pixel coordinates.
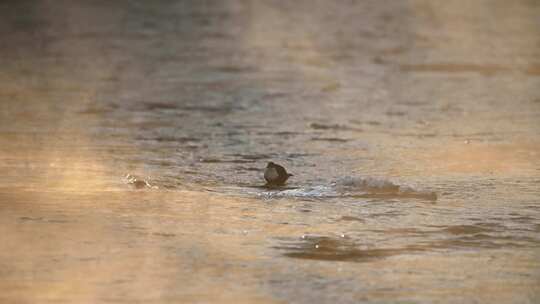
{"type": "Point", "coordinates": [361, 187]}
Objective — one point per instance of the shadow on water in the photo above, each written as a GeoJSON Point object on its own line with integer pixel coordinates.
{"type": "Point", "coordinates": [346, 249]}
{"type": "Point", "coordinates": [337, 249]}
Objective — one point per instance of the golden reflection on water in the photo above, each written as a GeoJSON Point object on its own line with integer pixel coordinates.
{"type": "Point", "coordinates": [192, 246]}
{"type": "Point", "coordinates": [270, 33]}
{"type": "Point", "coordinates": [86, 249]}
{"type": "Point", "coordinates": [74, 231]}
{"type": "Point", "coordinates": [481, 158]}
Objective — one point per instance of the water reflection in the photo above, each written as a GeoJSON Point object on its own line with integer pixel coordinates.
{"type": "Point", "coordinates": [346, 249]}
{"type": "Point", "coordinates": [336, 249]}
{"type": "Point", "coordinates": [411, 128]}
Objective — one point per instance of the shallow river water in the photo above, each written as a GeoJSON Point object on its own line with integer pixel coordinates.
{"type": "Point", "coordinates": [134, 134]}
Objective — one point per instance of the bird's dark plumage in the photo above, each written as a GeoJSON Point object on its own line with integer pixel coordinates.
{"type": "Point", "coordinates": [275, 174]}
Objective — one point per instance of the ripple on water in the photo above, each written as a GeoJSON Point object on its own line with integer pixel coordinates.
{"type": "Point", "coordinates": [465, 229]}
{"type": "Point", "coordinates": [325, 248]}
{"type": "Point", "coordinates": [349, 249]}
{"type": "Point", "coordinates": [352, 187]}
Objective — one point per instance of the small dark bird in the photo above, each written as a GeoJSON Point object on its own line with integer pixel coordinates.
{"type": "Point", "coordinates": [275, 175]}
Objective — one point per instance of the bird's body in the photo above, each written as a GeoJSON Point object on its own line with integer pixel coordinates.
{"type": "Point", "coordinates": [275, 175]}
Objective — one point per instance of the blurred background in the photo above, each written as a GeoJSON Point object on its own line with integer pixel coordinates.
{"type": "Point", "coordinates": [134, 134]}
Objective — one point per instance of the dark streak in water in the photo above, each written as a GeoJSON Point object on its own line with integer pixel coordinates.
{"type": "Point", "coordinates": [336, 249]}
{"type": "Point", "coordinates": [351, 218]}
{"type": "Point", "coordinates": [233, 161]}
{"type": "Point", "coordinates": [274, 95]}
{"type": "Point", "coordinates": [482, 240]}
{"type": "Point", "coordinates": [41, 219]}
{"type": "Point", "coordinates": [414, 103]}
{"type": "Point", "coordinates": [160, 106]}
{"type": "Point", "coordinates": [253, 156]}
{"type": "Point", "coordinates": [163, 234]}
{"type": "Point", "coordinates": [396, 113]}
{"type": "Point", "coordinates": [320, 126]}
{"type": "Point", "coordinates": [58, 221]}
{"type": "Point", "coordinates": [254, 169]}
{"type": "Point", "coordinates": [485, 70]}
{"type": "Point", "coordinates": [465, 229]}
{"type": "Point", "coordinates": [279, 133]}
{"type": "Point", "coordinates": [27, 218]}
{"type": "Point", "coordinates": [211, 109]}
{"type": "Point", "coordinates": [97, 110]}
{"type": "Point", "coordinates": [171, 139]}
{"type": "Point", "coordinates": [236, 69]}
{"type": "Point", "coordinates": [346, 250]}
{"type": "Point", "coordinates": [331, 139]}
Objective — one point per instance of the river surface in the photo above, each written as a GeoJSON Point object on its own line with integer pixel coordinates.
{"type": "Point", "coordinates": [134, 134]}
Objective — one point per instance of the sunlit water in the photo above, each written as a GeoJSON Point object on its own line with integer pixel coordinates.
{"type": "Point", "coordinates": [133, 137]}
